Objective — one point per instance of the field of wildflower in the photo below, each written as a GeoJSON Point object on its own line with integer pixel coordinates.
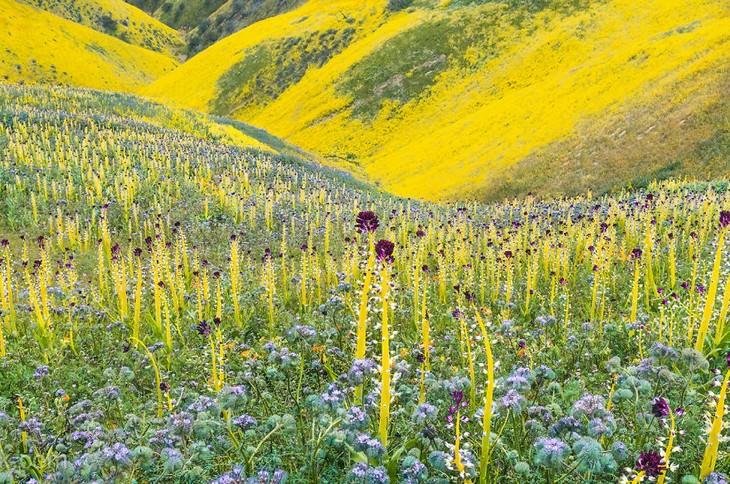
{"type": "Point", "coordinates": [175, 308]}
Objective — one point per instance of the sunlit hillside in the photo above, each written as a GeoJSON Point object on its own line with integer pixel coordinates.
{"type": "Point", "coordinates": [442, 100]}
{"type": "Point", "coordinates": [39, 47]}
{"type": "Point", "coordinates": [118, 19]}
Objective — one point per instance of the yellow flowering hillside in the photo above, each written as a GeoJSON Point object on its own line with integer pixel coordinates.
{"type": "Point", "coordinates": [443, 100]}
{"type": "Point", "coordinates": [39, 47]}
{"type": "Point", "coordinates": [118, 19]}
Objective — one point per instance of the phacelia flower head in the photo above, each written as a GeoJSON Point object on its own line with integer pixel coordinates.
{"type": "Point", "coordinates": [651, 463]}
{"type": "Point", "coordinates": [715, 478]}
{"type": "Point", "coordinates": [384, 251]}
{"type": "Point", "coordinates": [550, 452]}
{"type": "Point", "coordinates": [366, 222]}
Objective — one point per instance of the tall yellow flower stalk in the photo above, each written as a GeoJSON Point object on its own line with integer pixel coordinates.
{"type": "Point", "coordinates": [304, 274]}
{"type": "Point", "coordinates": [158, 379]}
{"type": "Point", "coordinates": [137, 316]}
{"type": "Point", "coordinates": [714, 280]}
{"type": "Point", "coordinates": [234, 268]}
{"type": "Point", "coordinates": [119, 277]}
{"type": "Point", "coordinates": [636, 257]}
{"type": "Point", "coordinates": [668, 450]}
{"type": "Point", "coordinates": [9, 284]}
{"type": "Point", "coordinates": [366, 223]}
{"type": "Point", "coordinates": [426, 338]}
{"type": "Point", "coordinates": [713, 441]}
{"type": "Point", "coordinates": [384, 252]}
{"type": "Point", "coordinates": [720, 327]}
{"type": "Point", "coordinates": [269, 283]}
{"type": "Point", "coordinates": [488, 399]}
{"type": "Point", "coordinates": [3, 351]}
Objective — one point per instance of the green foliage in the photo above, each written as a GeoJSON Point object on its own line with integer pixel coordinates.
{"type": "Point", "coordinates": [267, 70]}
{"type": "Point", "coordinates": [233, 16]}
{"type": "Point", "coordinates": [396, 5]}
{"type": "Point", "coordinates": [405, 68]}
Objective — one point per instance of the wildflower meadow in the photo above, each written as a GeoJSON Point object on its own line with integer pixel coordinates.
{"type": "Point", "coordinates": [175, 308]}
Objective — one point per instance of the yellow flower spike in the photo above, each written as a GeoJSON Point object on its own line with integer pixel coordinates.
{"type": "Point", "coordinates": [488, 399]}
{"type": "Point", "coordinates": [384, 417]}
{"type": "Point", "coordinates": [158, 379]}
{"type": "Point", "coordinates": [23, 434]}
{"type": "Point", "coordinates": [635, 292]}
{"type": "Point", "coordinates": [711, 292]}
{"type": "Point", "coordinates": [720, 328]}
{"type": "Point", "coordinates": [363, 312]}
{"type": "Point", "coordinates": [234, 275]}
{"type": "Point", "coordinates": [709, 459]}
{"type": "Point", "coordinates": [668, 450]}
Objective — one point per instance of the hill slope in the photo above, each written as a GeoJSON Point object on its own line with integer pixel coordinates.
{"type": "Point", "coordinates": [118, 19]}
{"type": "Point", "coordinates": [208, 21]}
{"type": "Point", "coordinates": [501, 97]}
{"type": "Point", "coordinates": [39, 47]}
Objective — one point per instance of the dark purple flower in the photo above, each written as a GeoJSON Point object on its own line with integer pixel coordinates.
{"type": "Point", "coordinates": [384, 250]}
{"type": "Point", "coordinates": [636, 254]}
{"type": "Point", "coordinates": [660, 407]}
{"type": "Point", "coordinates": [366, 221]}
{"type": "Point", "coordinates": [724, 218]}
{"type": "Point", "coordinates": [651, 463]}
{"type": "Point", "coordinates": [203, 328]}
{"type": "Point", "coordinates": [165, 387]}
{"type": "Point", "coordinates": [458, 396]}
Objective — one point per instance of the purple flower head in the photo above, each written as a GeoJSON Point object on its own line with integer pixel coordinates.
{"type": "Point", "coordinates": [457, 396]}
{"type": "Point", "coordinates": [203, 328]}
{"type": "Point", "coordinates": [660, 407]}
{"type": "Point", "coordinates": [384, 251]}
{"type": "Point", "coordinates": [40, 372]}
{"type": "Point", "coordinates": [636, 254]}
{"type": "Point", "coordinates": [245, 422]}
{"type": "Point", "coordinates": [724, 218]}
{"type": "Point", "coordinates": [715, 478]}
{"type": "Point", "coordinates": [651, 463]}
{"type": "Point", "coordinates": [366, 221]}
